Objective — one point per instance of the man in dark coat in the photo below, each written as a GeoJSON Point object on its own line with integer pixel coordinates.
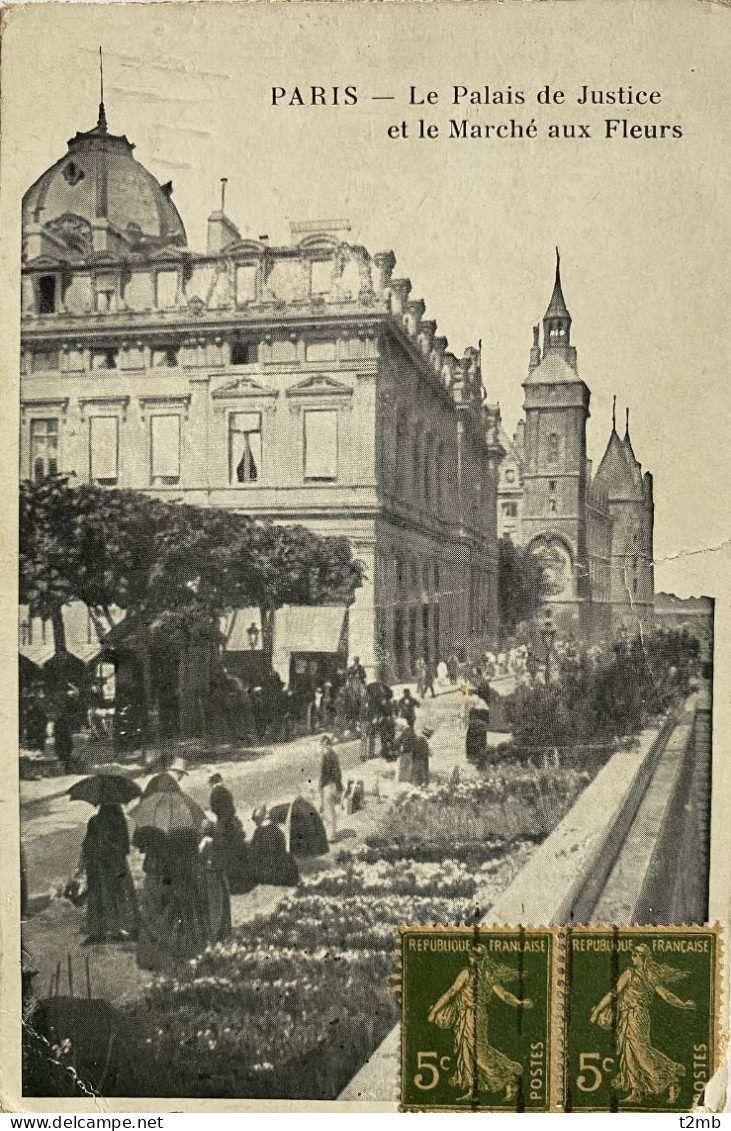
{"type": "Point", "coordinates": [420, 758]}
{"type": "Point", "coordinates": [407, 707]}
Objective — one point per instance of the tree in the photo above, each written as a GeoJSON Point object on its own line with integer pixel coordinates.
{"type": "Point", "coordinates": [174, 568]}
{"type": "Point", "coordinates": [521, 584]}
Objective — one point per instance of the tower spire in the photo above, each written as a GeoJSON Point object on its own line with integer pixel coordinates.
{"type": "Point", "coordinates": [614, 413]}
{"type": "Point", "coordinates": [557, 320]}
{"type": "Point", "coordinates": [102, 122]}
{"type": "Point", "coordinates": [626, 425]}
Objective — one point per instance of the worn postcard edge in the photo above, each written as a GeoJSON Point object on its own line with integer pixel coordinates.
{"type": "Point", "coordinates": [703, 574]}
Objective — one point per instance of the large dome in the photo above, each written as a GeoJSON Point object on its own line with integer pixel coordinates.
{"type": "Point", "coordinates": [99, 178]}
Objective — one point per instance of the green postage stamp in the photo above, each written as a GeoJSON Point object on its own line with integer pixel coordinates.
{"type": "Point", "coordinates": [476, 1018]}
{"type": "Point", "coordinates": [640, 1017]}
{"type": "Point", "coordinates": [550, 1019]}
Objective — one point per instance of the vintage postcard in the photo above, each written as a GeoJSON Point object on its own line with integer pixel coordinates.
{"type": "Point", "coordinates": [366, 544]}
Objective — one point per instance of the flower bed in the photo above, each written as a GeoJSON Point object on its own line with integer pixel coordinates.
{"type": "Point", "coordinates": [297, 1000]}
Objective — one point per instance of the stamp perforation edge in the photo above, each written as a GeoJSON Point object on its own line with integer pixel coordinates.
{"type": "Point", "coordinates": [715, 989]}
{"type": "Point", "coordinates": [557, 1015]}
{"type": "Point", "coordinates": [552, 1016]}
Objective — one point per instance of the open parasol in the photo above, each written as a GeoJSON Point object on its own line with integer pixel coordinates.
{"type": "Point", "coordinates": [112, 786]}
{"type": "Point", "coordinates": [162, 783]}
{"type": "Point", "coordinates": [169, 811]}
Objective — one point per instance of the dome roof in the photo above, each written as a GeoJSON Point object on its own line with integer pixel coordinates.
{"type": "Point", "coordinates": [98, 178]}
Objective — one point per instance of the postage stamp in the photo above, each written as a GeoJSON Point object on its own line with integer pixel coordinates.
{"type": "Point", "coordinates": [640, 1017]}
{"type": "Point", "coordinates": [476, 1018]}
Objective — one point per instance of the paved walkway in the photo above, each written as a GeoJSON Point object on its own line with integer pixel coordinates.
{"type": "Point", "coordinates": [52, 826]}
{"type": "Point", "coordinates": [52, 829]}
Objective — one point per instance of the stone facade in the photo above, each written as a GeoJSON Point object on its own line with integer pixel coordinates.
{"type": "Point", "coordinates": [298, 383]}
{"type": "Point", "coordinates": [594, 531]}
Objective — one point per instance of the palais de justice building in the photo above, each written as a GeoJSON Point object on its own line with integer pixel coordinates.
{"type": "Point", "coordinates": [595, 531]}
{"type": "Point", "coordinates": [299, 383]}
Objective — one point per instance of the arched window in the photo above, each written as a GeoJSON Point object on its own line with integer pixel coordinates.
{"type": "Point", "coordinates": [553, 447]}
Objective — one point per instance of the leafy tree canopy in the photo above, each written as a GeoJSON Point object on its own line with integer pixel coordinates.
{"type": "Point", "coordinates": [122, 548]}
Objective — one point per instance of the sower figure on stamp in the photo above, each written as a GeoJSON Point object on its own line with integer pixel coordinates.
{"type": "Point", "coordinates": [643, 1070]}
{"type": "Point", "coordinates": [465, 1009]}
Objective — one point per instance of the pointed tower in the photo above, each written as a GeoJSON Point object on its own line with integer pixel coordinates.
{"type": "Point", "coordinates": [555, 472]}
{"type": "Point", "coordinates": [629, 500]}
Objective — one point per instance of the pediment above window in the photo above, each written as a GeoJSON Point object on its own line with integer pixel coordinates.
{"type": "Point", "coordinates": [318, 385]}
{"type": "Point", "coordinates": [243, 387]}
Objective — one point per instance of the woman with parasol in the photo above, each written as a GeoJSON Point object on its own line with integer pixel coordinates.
{"type": "Point", "coordinates": [465, 1009]}
{"type": "Point", "coordinates": [174, 913]}
{"type": "Point", "coordinates": [643, 1070]}
{"type": "Point", "coordinates": [111, 906]}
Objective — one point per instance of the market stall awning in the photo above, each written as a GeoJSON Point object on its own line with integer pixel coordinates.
{"type": "Point", "coordinates": [83, 638]}
{"type": "Point", "coordinates": [317, 628]}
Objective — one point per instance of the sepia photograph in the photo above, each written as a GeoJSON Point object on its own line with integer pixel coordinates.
{"type": "Point", "coordinates": [366, 435]}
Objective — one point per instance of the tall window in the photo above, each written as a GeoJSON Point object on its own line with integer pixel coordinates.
{"type": "Point", "coordinates": [510, 510]}
{"type": "Point", "coordinates": [167, 288]}
{"type": "Point", "coordinates": [244, 447]}
{"type": "Point", "coordinates": [245, 283]}
{"type": "Point", "coordinates": [321, 444]}
{"type": "Point", "coordinates": [104, 450]}
{"type": "Point", "coordinates": [553, 447]}
{"type": "Point", "coordinates": [164, 450]}
{"type": "Point", "coordinates": [43, 448]}
{"type": "Point", "coordinates": [322, 275]}
{"type": "Point", "coordinates": [416, 483]}
{"type": "Point", "coordinates": [47, 294]}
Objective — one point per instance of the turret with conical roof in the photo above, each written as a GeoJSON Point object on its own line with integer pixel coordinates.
{"type": "Point", "coordinates": [629, 500]}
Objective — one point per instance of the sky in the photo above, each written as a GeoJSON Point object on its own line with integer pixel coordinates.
{"type": "Point", "coordinates": [642, 225]}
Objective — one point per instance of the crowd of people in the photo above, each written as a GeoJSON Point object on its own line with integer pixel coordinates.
{"type": "Point", "coordinates": [189, 873]}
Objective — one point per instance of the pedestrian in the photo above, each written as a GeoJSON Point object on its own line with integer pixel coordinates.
{"type": "Point", "coordinates": [387, 725]}
{"type": "Point", "coordinates": [229, 848]}
{"type": "Point", "coordinates": [407, 707]}
{"type": "Point", "coordinates": [453, 668]}
{"type": "Point", "coordinates": [219, 790]}
{"type": "Point", "coordinates": [421, 677]}
{"type": "Point", "coordinates": [405, 746]}
{"type": "Point", "coordinates": [477, 720]}
{"type": "Point", "coordinates": [420, 758]}
{"type": "Point", "coordinates": [356, 670]}
{"type": "Point", "coordinates": [63, 741]}
{"type": "Point", "coordinates": [270, 861]}
{"type": "Point", "coordinates": [331, 783]}
{"type": "Point", "coordinates": [111, 906]}
{"type": "Point", "coordinates": [429, 678]}
{"type": "Point", "coordinates": [367, 721]}
{"type": "Point", "coordinates": [175, 920]}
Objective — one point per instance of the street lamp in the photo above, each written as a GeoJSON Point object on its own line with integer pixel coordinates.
{"type": "Point", "coordinates": [548, 633]}
{"type": "Point", "coordinates": [253, 634]}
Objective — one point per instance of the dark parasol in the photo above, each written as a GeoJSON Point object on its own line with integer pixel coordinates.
{"type": "Point", "coordinates": [111, 786]}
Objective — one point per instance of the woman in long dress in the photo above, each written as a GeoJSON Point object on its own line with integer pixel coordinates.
{"type": "Point", "coordinates": [111, 907]}
{"type": "Point", "coordinates": [643, 1070]}
{"type": "Point", "coordinates": [465, 1008]}
{"type": "Point", "coordinates": [174, 910]}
